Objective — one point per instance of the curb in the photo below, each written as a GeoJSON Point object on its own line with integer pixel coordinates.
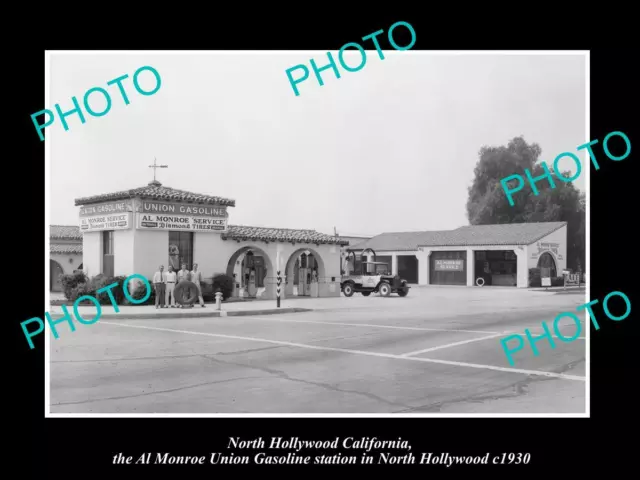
{"type": "Point", "coordinates": [214, 313]}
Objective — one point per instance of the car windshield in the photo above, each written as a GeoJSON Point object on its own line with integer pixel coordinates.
{"type": "Point", "coordinates": [376, 269]}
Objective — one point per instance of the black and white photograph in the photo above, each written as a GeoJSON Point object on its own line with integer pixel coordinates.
{"type": "Point", "coordinates": [250, 234]}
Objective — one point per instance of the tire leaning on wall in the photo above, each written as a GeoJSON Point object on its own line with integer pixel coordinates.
{"type": "Point", "coordinates": [186, 293]}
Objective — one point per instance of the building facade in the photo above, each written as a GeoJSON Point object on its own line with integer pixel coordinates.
{"type": "Point", "coordinates": [135, 231]}
{"type": "Point", "coordinates": [499, 255]}
{"type": "Point", "coordinates": [65, 253]}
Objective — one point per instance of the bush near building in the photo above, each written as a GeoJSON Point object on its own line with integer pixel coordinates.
{"type": "Point", "coordinates": [223, 283]}
{"type": "Point", "coordinates": [78, 284]}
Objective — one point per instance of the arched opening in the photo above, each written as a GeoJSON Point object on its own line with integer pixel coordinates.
{"type": "Point", "coordinates": [303, 273]}
{"type": "Point", "coordinates": [547, 265]}
{"type": "Point", "coordinates": [55, 270]}
{"type": "Point", "coordinates": [250, 267]}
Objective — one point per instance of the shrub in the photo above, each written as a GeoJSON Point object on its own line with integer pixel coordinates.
{"type": "Point", "coordinates": [78, 285]}
{"type": "Point", "coordinates": [81, 290]}
{"type": "Point", "coordinates": [534, 277]}
{"type": "Point", "coordinates": [140, 291]}
{"type": "Point", "coordinates": [101, 281]}
{"type": "Point", "coordinates": [557, 282]}
{"type": "Point", "coordinates": [223, 283]}
{"type": "Point", "coordinates": [70, 282]}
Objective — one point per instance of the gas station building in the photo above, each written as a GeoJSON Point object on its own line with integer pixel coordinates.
{"type": "Point", "coordinates": [135, 231]}
{"type": "Point", "coordinates": [487, 255]}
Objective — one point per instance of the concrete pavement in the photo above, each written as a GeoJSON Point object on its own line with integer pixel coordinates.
{"type": "Point", "coordinates": [436, 351]}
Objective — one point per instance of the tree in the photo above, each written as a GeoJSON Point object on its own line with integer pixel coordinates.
{"type": "Point", "coordinates": [488, 204]}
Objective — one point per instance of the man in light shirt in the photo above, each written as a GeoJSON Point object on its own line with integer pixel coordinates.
{"type": "Point", "coordinates": [196, 277]}
{"type": "Point", "coordinates": [182, 273]}
{"type": "Point", "coordinates": [170, 280]}
{"type": "Point", "coordinates": [158, 285]}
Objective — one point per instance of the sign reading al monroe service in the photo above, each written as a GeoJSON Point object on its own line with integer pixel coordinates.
{"type": "Point", "coordinates": [105, 222]}
{"type": "Point", "coordinates": [457, 265]}
{"type": "Point", "coordinates": [177, 216]}
{"type": "Point", "coordinates": [179, 222]}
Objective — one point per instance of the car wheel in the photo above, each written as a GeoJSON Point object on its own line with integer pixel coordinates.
{"type": "Point", "coordinates": [384, 289]}
{"type": "Point", "coordinates": [403, 293]}
{"type": "Point", "coordinates": [366, 294]}
{"type": "Point", "coordinates": [347, 290]}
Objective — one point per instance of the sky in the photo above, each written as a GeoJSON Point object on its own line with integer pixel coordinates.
{"type": "Point", "coordinates": [389, 148]}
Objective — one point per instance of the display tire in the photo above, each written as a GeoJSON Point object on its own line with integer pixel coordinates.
{"type": "Point", "coordinates": [186, 293]}
{"type": "Point", "coordinates": [478, 280]}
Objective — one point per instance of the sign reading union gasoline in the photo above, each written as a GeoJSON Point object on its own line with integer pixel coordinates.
{"type": "Point", "coordinates": [105, 216]}
{"type": "Point", "coordinates": [104, 209]}
{"type": "Point", "coordinates": [169, 216]}
{"type": "Point", "coordinates": [184, 209]}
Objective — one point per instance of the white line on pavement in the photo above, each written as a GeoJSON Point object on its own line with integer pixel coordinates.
{"type": "Point", "coordinates": [358, 352]}
{"type": "Point", "coordinates": [506, 332]}
{"type": "Point", "coordinates": [249, 317]}
{"type": "Point", "coordinates": [418, 352]}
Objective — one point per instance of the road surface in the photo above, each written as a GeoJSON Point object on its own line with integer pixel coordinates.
{"type": "Point", "coordinates": [436, 351]}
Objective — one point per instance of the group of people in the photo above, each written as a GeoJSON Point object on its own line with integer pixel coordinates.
{"type": "Point", "coordinates": [165, 283]}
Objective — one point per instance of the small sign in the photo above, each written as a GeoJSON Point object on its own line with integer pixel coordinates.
{"type": "Point", "coordinates": [105, 222]}
{"type": "Point", "coordinates": [446, 265]}
{"type": "Point", "coordinates": [546, 281]}
{"type": "Point", "coordinates": [572, 279]}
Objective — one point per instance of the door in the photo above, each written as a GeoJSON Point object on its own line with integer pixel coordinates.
{"type": "Point", "coordinates": [107, 253]}
{"type": "Point", "coordinates": [55, 270]}
{"type": "Point", "coordinates": [408, 268]}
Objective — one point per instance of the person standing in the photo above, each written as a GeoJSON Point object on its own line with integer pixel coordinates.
{"type": "Point", "coordinates": [182, 273]}
{"type": "Point", "coordinates": [170, 280]}
{"type": "Point", "coordinates": [159, 279]}
{"type": "Point", "coordinates": [196, 277]}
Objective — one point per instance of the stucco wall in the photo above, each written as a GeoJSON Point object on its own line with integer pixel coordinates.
{"type": "Point", "coordinates": [558, 237]}
{"type": "Point", "coordinates": [92, 253]}
{"type": "Point", "coordinates": [68, 261]}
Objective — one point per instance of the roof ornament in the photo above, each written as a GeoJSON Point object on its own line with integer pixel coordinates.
{"type": "Point", "coordinates": [156, 183]}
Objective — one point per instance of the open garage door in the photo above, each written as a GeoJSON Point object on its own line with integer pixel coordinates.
{"type": "Point", "coordinates": [408, 268]}
{"type": "Point", "coordinates": [496, 267]}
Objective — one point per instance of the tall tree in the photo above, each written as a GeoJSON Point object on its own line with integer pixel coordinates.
{"type": "Point", "coordinates": [488, 203]}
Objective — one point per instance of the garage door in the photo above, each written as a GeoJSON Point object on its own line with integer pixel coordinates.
{"type": "Point", "coordinates": [408, 268]}
{"type": "Point", "coordinates": [448, 268]}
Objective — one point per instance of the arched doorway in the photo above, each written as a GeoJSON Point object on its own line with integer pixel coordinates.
{"type": "Point", "coordinates": [250, 267]}
{"type": "Point", "coordinates": [547, 265]}
{"type": "Point", "coordinates": [304, 272]}
{"type": "Point", "coordinates": [55, 270]}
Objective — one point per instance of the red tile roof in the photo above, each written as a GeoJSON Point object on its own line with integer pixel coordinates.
{"type": "Point", "coordinates": [240, 232]}
{"type": "Point", "coordinates": [155, 191]}
{"type": "Point", "coordinates": [66, 232]}
{"type": "Point", "coordinates": [65, 248]}
{"type": "Point", "coordinates": [502, 234]}
{"type": "Point", "coordinates": [237, 232]}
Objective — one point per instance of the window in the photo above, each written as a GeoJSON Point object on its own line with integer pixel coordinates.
{"type": "Point", "coordinates": [180, 249]}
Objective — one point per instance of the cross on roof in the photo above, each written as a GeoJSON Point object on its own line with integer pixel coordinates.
{"type": "Point", "coordinates": [155, 166]}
